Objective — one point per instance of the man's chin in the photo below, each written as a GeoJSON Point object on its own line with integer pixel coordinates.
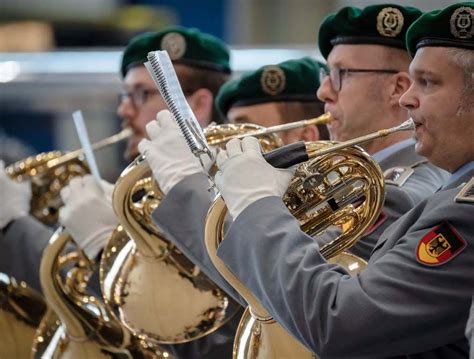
{"type": "Point", "coordinates": [419, 148]}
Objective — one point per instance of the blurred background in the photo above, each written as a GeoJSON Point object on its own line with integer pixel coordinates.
{"type": "Point", "coordinates": [59, 56]}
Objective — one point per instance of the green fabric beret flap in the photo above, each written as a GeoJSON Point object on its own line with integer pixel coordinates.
{"type": "Point", "coordinates": [382, 24]}
{"type": "Point", "coordinates": [450, 27]}
{"type": "Point", "coordinates": [292, 80]}
{"type": "Point", "coordinates": [187, 46]}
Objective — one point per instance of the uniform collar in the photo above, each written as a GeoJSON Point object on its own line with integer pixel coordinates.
{"type": "Point", "coordinates": [457, 175]}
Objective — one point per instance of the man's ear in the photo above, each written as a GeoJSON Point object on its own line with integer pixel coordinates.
{"type": "Point", "coordinates": [202, 102]}
{"type": "Point", "coordinates": [399, 86]}
{"type": "Point", "coordinates": [310, 133]}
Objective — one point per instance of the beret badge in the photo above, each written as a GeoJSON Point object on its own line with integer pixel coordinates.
{"type": "Point", "coordinates": [389, 22]}
{"type": "Point", "coordinates": [461, 22]}
{"type": "Point", "coordinates": [175, 44]}
{"type": "Point", "coordinates": [273, 80]}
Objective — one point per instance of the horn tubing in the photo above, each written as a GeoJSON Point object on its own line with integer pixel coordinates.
{"type": "Point", "coordinates": [405, 126]}
{"type": "Point", "coordinates": [122, 135]}
{"type": "Point", "coordinates": [320, 120]}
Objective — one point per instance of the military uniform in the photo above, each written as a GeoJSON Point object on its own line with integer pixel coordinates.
{"type": "Point", "coordinates": [22, 244]}
{"type": "Point", "coordinates": [399, 296]}
{"type": "Point", "coordinates": [409, 178]}
{"type": "Point", "coordinates": [470, 329]}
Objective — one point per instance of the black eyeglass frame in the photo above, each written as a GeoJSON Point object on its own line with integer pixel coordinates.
{"type": "Point", "coordinates": [336, 82]}
{"type": "Point", "coordinates": [138, 97]}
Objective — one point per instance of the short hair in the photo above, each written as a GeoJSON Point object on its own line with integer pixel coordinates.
{"type": "Point", "coordinates": [292, 111]}
{"type": "Point", "coordinates": [464, 60]}
{"type": "Point", "coordinates": [194, 78]}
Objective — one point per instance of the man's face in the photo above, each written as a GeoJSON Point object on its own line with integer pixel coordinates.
{"type": "Point", "coordinates": [444, 131]}
{"type": "Point", "coordinates": [139, 108]}
{"type": "Point", "coordinates": [361, 102]}
{"type": "Point", "coordinates": [264, 114]}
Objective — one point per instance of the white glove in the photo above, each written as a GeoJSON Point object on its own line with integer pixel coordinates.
{"type": "Point", "coordinates": [15, 198]}
{"type": "Point", "coordinates": [87, 213]}
{"type": "Point", "coordinates": [245, 177]}
{"type": "Point", "coordinates": [167, 153]}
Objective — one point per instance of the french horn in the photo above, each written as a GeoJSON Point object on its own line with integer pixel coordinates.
{"type": "Point", "coordinates": [340, 185]}
{"type": "Point", "coordinates": [21, 310]}
{"type": "Point", "coordinates": [182, 304]}
{"type": "Point", "coordinates": [49, 172]}
{"type": "Point", "coordinates": [77, 325]}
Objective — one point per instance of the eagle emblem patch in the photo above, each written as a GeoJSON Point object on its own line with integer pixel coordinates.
{"type": "Point", "coordinates": [439, 245]}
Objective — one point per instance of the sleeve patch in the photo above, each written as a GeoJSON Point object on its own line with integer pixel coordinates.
{"type": "Point", "coordinates": [440, 245]}
{"type": "Point", "coordinates": [397, 176]}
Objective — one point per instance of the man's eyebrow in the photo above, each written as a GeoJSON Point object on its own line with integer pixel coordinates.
{"type": "Point", "coordinates": [241, 119]}
{"type": "Point", "coordinates": [421, 72]}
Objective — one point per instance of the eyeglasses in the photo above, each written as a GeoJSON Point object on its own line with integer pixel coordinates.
{"type": "Point", "coordinates": [336, 74]}
{"type": "Point", "coordinates": [138, 97]}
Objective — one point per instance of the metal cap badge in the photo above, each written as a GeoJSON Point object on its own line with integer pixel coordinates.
{"type": "Point", "coordinates": [175, 44]}
{"type": "Point", "coordinates": [462, 23]}
{"type": "Point", "coordinates": [389, 22]}
{"type": "Point", "coordinates": [273, 80]}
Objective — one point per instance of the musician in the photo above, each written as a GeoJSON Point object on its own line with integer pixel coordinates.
{"type": "Point", "coordinates": [202, 65]}
{"type": "Point", "coordinates": [368, 62]}
{"type": "Point", "coordinates": [201, 62]}
{"type": "Point", "coordinates": [413, 298]}
{"type": "Point", "coordinates": [265, 97]}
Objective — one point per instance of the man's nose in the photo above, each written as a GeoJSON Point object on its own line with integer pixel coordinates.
{"type": "Point", "coordinates": [326, 92]}
{"type": "Point", "coordinates": [125, 109]}
{"type": "Point", "coordinates": [408, 100]}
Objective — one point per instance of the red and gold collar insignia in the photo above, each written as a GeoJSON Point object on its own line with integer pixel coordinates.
{"type": "Point", "coordinates": [439, 245]}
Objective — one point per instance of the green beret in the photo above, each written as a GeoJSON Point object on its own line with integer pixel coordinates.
{"type": "Point", "coordinates": [450, 27]}
{"type": "Point", "coordinates": [187, 46]}
{"type": "Point", "coordinates": [293, 80]}
{"type": "Point", "coordinates": [382, 24]}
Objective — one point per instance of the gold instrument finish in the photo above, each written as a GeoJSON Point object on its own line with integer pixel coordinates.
{"type": "Point", "coordinates": [49, 172]}
{"type": "Point", "coordinates": [21, 310]}
{"type": "Point", "coordinates": [77, 324]}
{"type": "Point", "coordinates": [341, 188]}
{"type": "Point", "coordinates": [46, 182]}
{"type": "Point", "coordinates": [154, 289]}
{"type": "Point", "coordinates": [151, 286]}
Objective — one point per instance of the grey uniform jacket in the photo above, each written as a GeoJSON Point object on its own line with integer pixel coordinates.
{"type": "Point", "coordinates": [184, 224]}
{"type": "Point", "coordinates": [21, 249]}
{"type": "Point", "coordinates": [470, 329]}
{"type": "Point", "coordinates": [399, 306]}
{"type": "Point", "coordinates": [401, 194]}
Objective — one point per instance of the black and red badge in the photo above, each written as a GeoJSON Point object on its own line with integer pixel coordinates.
{"type": "Point", "coordinates": [439, 245]}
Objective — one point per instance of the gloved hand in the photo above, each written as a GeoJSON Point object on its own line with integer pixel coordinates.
{"type": "Point", "coordinates": [15, 198]}
{"type": "Point", "coordinates": [167, 153]}
{"type": "Point", "coordinates": [87, 213]}
{"type": "Point", "coordinates": [245, 177]}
